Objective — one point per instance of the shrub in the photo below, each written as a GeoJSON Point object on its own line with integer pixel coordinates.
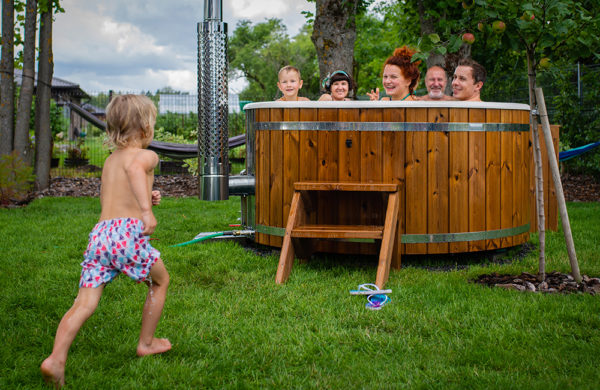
{"type": "Point", "coordinates": [16, 179]}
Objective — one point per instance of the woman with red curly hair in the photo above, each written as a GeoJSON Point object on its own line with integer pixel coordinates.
{"type": "Point", "coordinates": [400, 76]}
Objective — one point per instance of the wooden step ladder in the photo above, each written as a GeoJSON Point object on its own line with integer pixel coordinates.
{"type": "Point", "coordinates": [297, 227]}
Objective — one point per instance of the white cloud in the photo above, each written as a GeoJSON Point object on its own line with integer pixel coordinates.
{"type": "Point", "coordinates": [128, 39]}
{"type": "Point", "coordinates": [135, 45]}
{"type": "Point", "coordinates": [248, 9]}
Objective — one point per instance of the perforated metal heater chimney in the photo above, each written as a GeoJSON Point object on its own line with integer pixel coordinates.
{"type": "Point", "coordinates": [213, 107]}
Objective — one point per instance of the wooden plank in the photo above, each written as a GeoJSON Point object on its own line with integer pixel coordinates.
{"type": "Point", "coordinates": [546, 172]}
{"type": "Point", "coordinates": [476, 179]}
{"type": "Point", "coordinates": [459, 184]}
{"type": "Point", "coordinates": [263, 148]}
{"type": "Point", "coordinates": [337, 186]}
{"type": "Point", "coordinates": [532, 180]}
{"type": "Point", "coordinates": [506, 178]}
{"type": "Point", "coordinates": [371, 171]}
{"type": "Point", "coordinates": [493, 186]}
{"type": "Point", "coordinates": [349, 148]}
{"type": "Point", "coordinates": [416, 180]}
{"type": "Point", "coordinates": [522, 177]}
{"type": "Point", "coordinates": [393, 172]}
{"type": "Point", "coordinates": [437, 179]}
{"type": "Point", "coordinates": [527, 161]}
{"type": "Point", "coordinates": [276, 177]}
{"type": "Point", "coordinates": [349, 171]}
{"type": "Point", "coordinates": [552, 221]}
{"type": "Point", "coordinates": [308, 146]}
{"type": "Point", "coordinates": [286, 258]}
{"type": "Point", "coordinates": [327, 170]}
{"type": "Point", "coordinates": [338, 231]}
{"type": "Point", "coordinates": [519, 195]}
{"type": "Point", "coordinates": [291, 160]}
{"type": "Point", "coordinates": [387, 241]}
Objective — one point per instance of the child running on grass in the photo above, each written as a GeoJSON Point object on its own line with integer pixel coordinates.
{"type": "Point", "coordinates": [119, 242]}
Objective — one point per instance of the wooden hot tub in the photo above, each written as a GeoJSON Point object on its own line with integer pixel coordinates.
{"type": "Point", "coordinates": [463, 170]}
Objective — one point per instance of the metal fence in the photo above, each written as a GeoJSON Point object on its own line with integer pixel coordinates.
{"type": "Point", "coordinates": [79, 144]}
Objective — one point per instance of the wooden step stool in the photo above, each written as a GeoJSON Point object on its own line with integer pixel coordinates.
{"type": "Point", "coordinates": [297, 227]}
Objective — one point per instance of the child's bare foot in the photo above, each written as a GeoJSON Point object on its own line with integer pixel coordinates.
{"type": "Point", "coordinates": [53, 372]}
{"type": "Point", "coordinates": [156, 346]}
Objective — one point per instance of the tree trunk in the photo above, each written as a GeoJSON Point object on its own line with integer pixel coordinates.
{"type": "Point", "coordinates": [562, 205]}
{"type": "Point", "coordinates": [334, 34]}
{"type": "Point", "coordinates": [7, 67]}
{"type": "Point", "coordinates": [43, 133]}
{"type": "Point", "coordinates": [537, 160]}
{"type": "Point", "coordinates": [448, 61]}
{"type": "Point", "coordinates": [26, 96]}
{"type": "Point", "coordinates": [428, 27]}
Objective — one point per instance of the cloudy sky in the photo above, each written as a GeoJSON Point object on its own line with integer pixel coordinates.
{"type": "Point", "coordinates": [135, 45]}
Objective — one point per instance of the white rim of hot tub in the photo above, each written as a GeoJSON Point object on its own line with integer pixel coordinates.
{"type": "Point", "coordinates": [388, 104]}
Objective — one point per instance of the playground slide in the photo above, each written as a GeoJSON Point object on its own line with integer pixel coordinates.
{"type": "Point", "coordinates": [169, 149]}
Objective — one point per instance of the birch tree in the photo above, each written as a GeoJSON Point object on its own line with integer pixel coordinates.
{"type": "Point", "coordinates": [7, 67]}
{"type": "Point", "coordinates": [43, 133]}
{"type": "Point", "coordinates": [21, 140]}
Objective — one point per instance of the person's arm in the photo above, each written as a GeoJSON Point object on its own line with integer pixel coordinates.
{"type": "Point", "coordinates": [156, 197]}
{"type": "Point", "coordinates": [325, 97]}
{"type": "Point", "coordinates": [137, 173]}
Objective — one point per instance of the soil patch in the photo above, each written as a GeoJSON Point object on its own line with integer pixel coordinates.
{"type": "Point", "coordinates": [556, 282]}
{"type": "Point", "coordinates": [577, 188]}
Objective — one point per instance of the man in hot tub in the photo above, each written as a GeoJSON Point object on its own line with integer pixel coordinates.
{"type": "Point", "coordinates": [468, 80]}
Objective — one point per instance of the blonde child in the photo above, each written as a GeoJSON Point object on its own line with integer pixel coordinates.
{"type": "Point", "coordinates": [119, 242]}
{"type": "Point", "coordinates": [290, 82]}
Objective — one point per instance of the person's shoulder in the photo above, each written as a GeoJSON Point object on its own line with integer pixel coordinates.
{"type": "Point", "coordinates": [325, 97]}
{"type": "Point", "coordinates": [147, 153]}
{"type": "Point", "coordinates": [303, 99]}
{"type": "Point", "coordinates": [147, 157]}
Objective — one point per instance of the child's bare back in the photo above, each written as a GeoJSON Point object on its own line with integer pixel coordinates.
{"type": "Point", "coordinates": [127, 179]}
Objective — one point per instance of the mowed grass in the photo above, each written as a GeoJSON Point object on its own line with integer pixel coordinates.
{"type": "Point", "coordinates": [232, 327]}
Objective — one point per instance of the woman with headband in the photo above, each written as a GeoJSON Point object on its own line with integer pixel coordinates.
{"type": "Point", "coordinates": [338, 86]}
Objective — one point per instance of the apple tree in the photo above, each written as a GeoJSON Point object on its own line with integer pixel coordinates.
{"type": "Point", "coordinates": [541, 30]}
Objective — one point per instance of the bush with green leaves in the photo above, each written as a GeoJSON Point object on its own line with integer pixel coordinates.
{"type": "Point", "coordinates": [16, 178]}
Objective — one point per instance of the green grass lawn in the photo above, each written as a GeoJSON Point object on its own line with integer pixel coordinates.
{"type": "Point", "coordinates": [231, 326]}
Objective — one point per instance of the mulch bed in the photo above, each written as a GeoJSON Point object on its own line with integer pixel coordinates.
{"type": "Point", "coordinates": [577, 188]}
{"type": "Point", "coordinates": [169, 185]}
{"type": "Point", "coordinates": [555, 282]}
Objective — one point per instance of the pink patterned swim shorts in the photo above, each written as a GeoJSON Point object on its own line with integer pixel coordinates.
{"type": "Point", "coordinates": [117, 246]}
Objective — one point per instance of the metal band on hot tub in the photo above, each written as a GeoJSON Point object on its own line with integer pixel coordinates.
{"type": "Point", "coordinates": [428, 238]}
{"type": "Point", "coordinates": [391, 126]}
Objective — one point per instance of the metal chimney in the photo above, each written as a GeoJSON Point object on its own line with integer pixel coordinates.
{"type": "Point", "coordinates": [213, 161]}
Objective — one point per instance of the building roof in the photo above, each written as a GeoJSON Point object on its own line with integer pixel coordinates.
{"type": "Point", "coordinates": [58, 86]}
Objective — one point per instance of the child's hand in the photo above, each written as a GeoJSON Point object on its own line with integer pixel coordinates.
{"type": "Point", "coordinates": [149, 223]}
{"type": "Point", "coordinates": [374, 95]}
{"type": "Point", "coordinates": [156, 197]}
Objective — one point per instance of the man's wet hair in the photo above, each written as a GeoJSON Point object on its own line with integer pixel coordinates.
{"type": "Point", "coordinates": [478, 71]}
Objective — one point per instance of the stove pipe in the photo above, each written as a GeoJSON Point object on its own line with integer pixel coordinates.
{"type": "Point", "coordinates": [213, 161]}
